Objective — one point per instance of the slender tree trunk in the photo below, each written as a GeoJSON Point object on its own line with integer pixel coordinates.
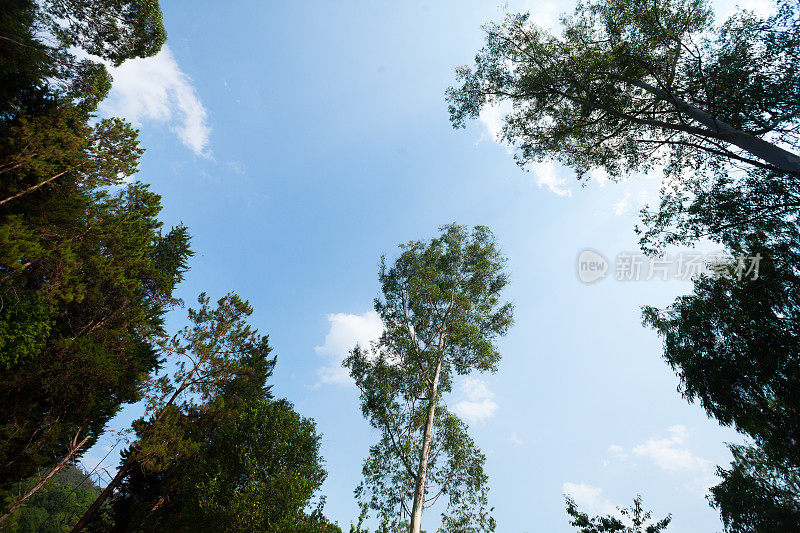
{"type": "Point", "coordinates": [33, 187]}
{"type": "Point", "coordinates": [75, 448]}
{"type": "Point", "coordinates": [103, 496]}
{"type": "Point", "coordinates": [127, 464]}
{"type": "Point", "coordinates": [419, 490]}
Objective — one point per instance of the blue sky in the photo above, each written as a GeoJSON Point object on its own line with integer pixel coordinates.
{"type": "Point", "coordinates": [301, 141]}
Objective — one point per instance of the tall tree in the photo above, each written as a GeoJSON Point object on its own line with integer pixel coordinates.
{"type": "Point", "coordinates": [77, 322]}
{"type": "Point", "coordinates": [86, 272]}
{"type": "Point", "coordinates": [442, 311]}
{"type": "Point", "coordinates": [627, 79]}
{"type": "Point", "coordinates": [217, 352]}
{"type": "Point", "coordinates": [633, 86]}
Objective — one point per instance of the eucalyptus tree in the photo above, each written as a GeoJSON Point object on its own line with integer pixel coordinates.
{"type": "Point", "coordinates": [442, 312]}
{"type": "Point", "coordinates": [630, 85]}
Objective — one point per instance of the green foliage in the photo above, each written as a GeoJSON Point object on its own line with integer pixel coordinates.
{"type": "Point", "coordinates": [736, 349]}
{"type": "Point", "coordinates": [635, 516]}
{"type": "Point", "coordinates": [628, 85]}
{"type": "Point", "coordinates": [115, 30]}
{"type": "Point", "coordinates": [757, 493]}
{"type": "Point", "coordinates": [631, 86]}
{"type": "Point", "coordinates": [80, 320]}
{"type": "Point", "coordinates": [217, 452]}
{"type": "Point", "coordinates": [56, 506]}
{"type": "Point", "coordinates": [86, 272]}
{"type": "Point", "coordinates": [250, 467]}
{"type": "Point", "coordinates": [441, 310]}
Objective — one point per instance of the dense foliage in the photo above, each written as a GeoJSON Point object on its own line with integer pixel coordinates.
{"type": "Point", "coordinates": [86, 270]}
{"type": "Point", "coordinates": [253, 466]}
{"type": "Point", "coordinates": [87, 273]}
{"type": "Point", "coordinates": [58, 504]}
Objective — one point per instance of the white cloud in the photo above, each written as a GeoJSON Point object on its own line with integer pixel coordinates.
{"type": "Point", "coordinates": [515, 439]}
{"type": "Point", "coordinates": [546, 176]}
{"type": "Point", "coordinates": [155, 88]}
{"type": "Point", "coordinates": [670, 454]}
{"type": "Point", "coordinates": [617, 450]}
{"type": "Point", "coordinates": [726, 8]}
{"type": "Point", "coordinates": [345, 332]}
{"type": "Point", "coordinates": [599, 175]}
{"type": "Point", "coordinates": [589, 499]}
{"type": "Point", "coordinates": [544, 14]}
{"type": "Point", "coordinates": [477, 403]}
{"type": "Point", "coordinates": [623, 205]}
{"type": "Point", "coordinates": [491, 116]}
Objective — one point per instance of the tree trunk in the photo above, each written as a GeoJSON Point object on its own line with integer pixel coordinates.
{"type": "Point", "coordinates": [419, 490]}
{"type": "Point", "coordinates": [127, 464]}
{"type": "Point", "coordinates": [766, 151]}
{"type": "Point", "coordinates": [34, 187]}
{"type": "Point", "coordinates": [75, 448]}
{"type": "Point", "coordinates": [103, 496]}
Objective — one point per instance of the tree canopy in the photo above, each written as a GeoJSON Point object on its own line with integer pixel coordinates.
{"type": "Point", "coordinates": [442, 310]}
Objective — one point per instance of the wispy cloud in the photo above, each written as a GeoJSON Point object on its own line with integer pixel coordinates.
{"type": "Point", "coordinates": [156, 89]}
{"type": "Point", "coordinates": [547, 176]}
{"type": "Point", "coordinates": [589, 499]}
{"type": "Point", "coordinates": [515, 439]}
{"type": "Point", "coordinates": [545, 172]}
{"type": "Point", "coordinates": [476, 402]}
{"type": "Point", "coordinates": [491, 116]}
{"type": "Point", "coordinates": [670, 453]}
{"type": "Point", "coordinates": [345, 332]}
{"type": "Point", "coordinates": [623, 205]}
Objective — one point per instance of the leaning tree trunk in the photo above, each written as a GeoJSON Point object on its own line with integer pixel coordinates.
{"type": "Point", "coordinates": [774, 155]}
{"type": "Point", "coordinates": [75, 447]}
{"type": "Point", "coordinates": [419, 489]}
{"type": "Point", "coordinates": [129, 461]}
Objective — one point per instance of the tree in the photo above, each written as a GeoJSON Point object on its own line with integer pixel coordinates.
{"type": "Point", "coordinates": [636, 515]}
{"type": "Point", "coordinates": [626, 79]}
{"type": "Point", "coordinates": [441, 310]}
{"type": "Point", "coordinates": [218, 352]}
{"type": "Point", "coordinates": [57, 505]}
{"type": "Point", "coordinates": [757, 493]}
{"type": "Point", "coordinates": [252, 466]}
{"type": "Point", "coordinates": [115, 30]}
{"type": "Point", "coordinates": [735, 347]}
{"type": "Point", "coordinates": [86, 272]}
{"type": "Point", "coordinates": [632, 86]}
{"type": "Point", "coordinates": [78, 317]}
